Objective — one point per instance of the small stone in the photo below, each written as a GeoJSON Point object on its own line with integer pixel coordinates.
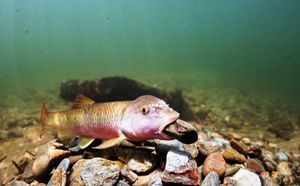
{"type": "Point", "coordinates": [129, 175]}
{"type": "Point", "coordinates": [240, 147]}
{"type": "Point", "coordinates": [281, 156]}
{"type": "Point", "coordinates": [139, 161]}
{"type": "Point", "coordinates": [273, 145]}
{"type": "Point", "coordinates": [247, 141]}
{"type": "Point", "coordinates": [192, 149]}
{"type": "Point", "coordinates": [45, 154]}
{"type": "Point", "coordinates": [36, 183]}
{"type": "Point", "coordinates": [285, 171]}
{"type": "Point", "coordinates": [205, 148]}
{"type": "Point", "coordinates": [220, 142]}
{"type": "Point", "coordinates": [122, 183]}
{"type": "Point", "coordinates": [212, 179]}
{"type": "Point", "coordinates": [96, 171]}
{"type": "Point", "coordinates": [270, 164]}
{"type": "Point", "coordinates": [180, 169]}
{"type": "Point", "coordinates": [146, 179]}
{"type": "Point", "coordinates": [156, 180]}
{"type": "Point", "coordinates": [256, 165]}
{"type": "Point", "coordinates": [214, 162]}
{"type": "Point", "coordinates": [17, 183]}
{"type": "Point", "coordinates": [246, 178]}
{"type": "Point", "coordinates": [233, 156]}
{"type": "Point", "coordinates": [267, 180]}
{"type": "Point", "coordinates": [59, 176]}
{"type": "Point", "coordinates": [228, 181]}
{"type": "Point", "coordinates": [231, 170]}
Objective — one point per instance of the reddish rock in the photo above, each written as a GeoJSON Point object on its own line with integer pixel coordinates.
{"type": "Point", "coordinates": [214, 162]}
{"type": "Point", "coordinates": [256, 165]}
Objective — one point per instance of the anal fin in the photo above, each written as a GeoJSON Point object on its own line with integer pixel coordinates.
{"type": "Point", "coordinates": [84, 142]}
{"type": "Point", "coordinates": [110, 142]}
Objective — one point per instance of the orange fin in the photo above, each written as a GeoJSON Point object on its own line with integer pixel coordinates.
{"type": "Point", "coordinates": [44, 113]}
{"type": "Point", "coordinates": [82, 101]}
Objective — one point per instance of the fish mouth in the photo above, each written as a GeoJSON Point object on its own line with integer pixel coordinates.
{"type": "Point", "coordinates": [182, 131]}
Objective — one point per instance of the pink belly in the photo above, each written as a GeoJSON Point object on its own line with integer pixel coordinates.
{"type": "Point", "coordinates": [97, 131]}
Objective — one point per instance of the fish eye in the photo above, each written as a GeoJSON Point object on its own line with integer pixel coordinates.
{"type": "Point", "coordinates": [144, 110]}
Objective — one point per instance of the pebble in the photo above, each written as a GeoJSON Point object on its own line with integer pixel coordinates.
{"type": "Point", "coordinates": [220, 142]}
{"type": "Point", "coordinates": [145, 179]}
{"type": "Point", "coordinates": [96, 171]}
{"type": "Point", "coordinates": [156, 180]}
{"type": "Point", "coordinates": [212, 179]}
{"type": "Point", "coordinates": [205, 148]}
{"type": "Point", "coordinates": [214, 162]}
{"type": "Point", "coordinates": [267, 180]}
{"type": "Point", "coordinates": [180, 169]}
{"type": "Point", "coordinates": [247, 141]}
{"type": "Point", "coordinates": [231, 170]}
{"type": "Point", "coordinates": [285, 171]}
{"type": "Point", "coordinates": [232, 155]}
{"type": "Point", "coordinates": [281, 156]}
{"type": "Point", "coordinates": [245, 177]}
{"type": "Point", "coordinates": [129, 175]}
{"type": "Point", "coordinates": [45, 154]}
{"type": "Point", "coordinates": [240, 147]}
{"type": "Point", "coordinates": [192, 149]}
{"type": "Point", "coordinates": [122, 183]}
{"type": "Point", "coordinates": [17, 183]}
{"type": "Point", "coordinates": [256, 165]}
{"type": "Point", "coordinates": [139, 161]}
{"type": "Point", "coordinates": [59, 176]}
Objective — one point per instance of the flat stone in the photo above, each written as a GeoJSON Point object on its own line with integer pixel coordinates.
{"type": "Point", "coordinates": [59, 176]}
{"type": "Point", "coordinates": [212, 179]}
{"type": "Point", "coordinates": [214, 162]}
{"type": "Point", "coordinates": [156, 180]}
{"type": "Point", "coordinates": [231, 170]}
{"type": "Point", "coordinates": [139, 161]}
{"type": "Point", "coordinates": [96, 171]}
{"type": "Point", "coordinates": [129, 175]}
{"type": "Point", "coordinates": [240, 147]}
{"type": "Point", "coordinates": [17, 183]}
{"type": "Point", "coordinates": [245, 177]}
{"type": "Point", "coordinates": [233, 156]}
{"type": "Point", "coordinates": [180, 169]}
{"type": "Point", "coordinates": [256, 165]}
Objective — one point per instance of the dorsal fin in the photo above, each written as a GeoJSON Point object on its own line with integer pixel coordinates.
{"type": "Point", "coordinates": [82, 101]}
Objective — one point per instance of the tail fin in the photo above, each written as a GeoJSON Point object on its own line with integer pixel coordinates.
{"type": "Point", "coordinates": [44, 113]}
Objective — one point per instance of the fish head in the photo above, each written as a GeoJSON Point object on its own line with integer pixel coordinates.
{"type": "Point", "coordinates": [146, 117]}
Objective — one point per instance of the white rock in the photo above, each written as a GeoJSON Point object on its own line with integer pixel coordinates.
{"type": "Point", "coordinates": [246, 178]}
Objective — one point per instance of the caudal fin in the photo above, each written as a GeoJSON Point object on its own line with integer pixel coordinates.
{"type": "Point", "coordinates": [44, 113]}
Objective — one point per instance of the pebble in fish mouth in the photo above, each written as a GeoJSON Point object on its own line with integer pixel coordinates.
{"type": "Point", "coordinates": [182, 131]}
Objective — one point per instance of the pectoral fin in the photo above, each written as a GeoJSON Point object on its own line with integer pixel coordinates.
{"type": "Point", "coordinates": [84, 142]}
{"type": "Point", "coordinates": [65, 137]}
{"type": "Point", "coordinates": [110, 142]}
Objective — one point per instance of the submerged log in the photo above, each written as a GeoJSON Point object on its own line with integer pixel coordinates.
{"type": "Point", "coordinates": [120, 89]}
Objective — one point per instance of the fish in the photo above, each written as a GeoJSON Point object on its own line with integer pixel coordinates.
{"type": "Point", "coordinates": [144, 118]}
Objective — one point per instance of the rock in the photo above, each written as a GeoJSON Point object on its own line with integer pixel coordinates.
{"type": "Point", "coordinates": [246, 178]}
{"type": "Point", "coordinates": [214, 162]}
{"type": "Point", "coordinates": [285, 171]}
{"type": "Point", "coordinates": [281, 156]}
{"type": "Point", "coordinates": [246, 141]}
{"type": "Point", "coordinates": [231, 170]}
{"type": "Point", "coordinates": [121, 89]}
{"type": "Point", "coordinates": [96, 171]}
{"type": "Point", "coordinates": [140, 161]}
{"type": "Point", "coordinates": [270, 164]}
{"type": "Point", "coordinates": [162, 147]}
{"type": "Point", "coordinates": [122, 183]}
{"type": "Point", "coordinates": [145, 180]}
{"type": "Point", "coordinates": [156, 180]}
{"type": "Point", "coordinates": [180, 169]}
{"type": "Point", "coordinates": [46, 154]}
{"type": "Point", "coordinates": [220, 142]}
{"type": "Point", "coordinates": [36, 183]}
{"type": "Point", "coordinates": [129, 175]}
{"type": "Point", "coordinates": [267, 180]}
{"type": "Point", "coordinates": [240, 147]}
{"type": "Point", "coordinates": [17, 183]}
{"type": "Point", "coordinates": [229, 182]}
{"type": "Point", "coordinates": [256, 165]}
{"type": "Point", "coordinates": [233, 156]}
{"type": "Point", "coordinates": [59, 176]}
{"type": "Point", "coordinates": [192, 149]}
{"type": "Point", "coordinates": [212, 179]}
{"type": "Point", "coordinates": [205, 148]}
{"type": "Point", "coordinates": [182, 131]}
